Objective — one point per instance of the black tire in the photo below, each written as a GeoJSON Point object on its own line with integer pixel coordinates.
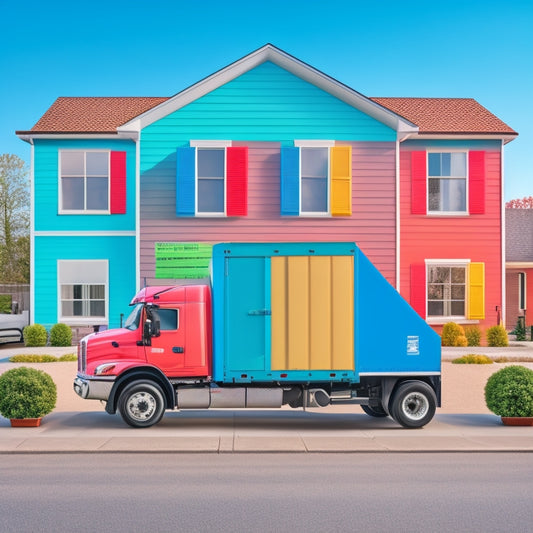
{"type": "Point", "coordinates": [141, 404]}
{"type": "Point", "coordinates": [376, 411]}
{"type": "Point", "coordinates": [413, 404]}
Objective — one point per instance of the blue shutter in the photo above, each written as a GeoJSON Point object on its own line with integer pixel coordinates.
{"type": "Point", "coordinates": [290, 180]}
{"type": "Point", "coordinates": [185, 181]}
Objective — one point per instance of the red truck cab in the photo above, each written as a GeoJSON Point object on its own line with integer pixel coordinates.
{"type": "Point", "coordinates": [179, 316]}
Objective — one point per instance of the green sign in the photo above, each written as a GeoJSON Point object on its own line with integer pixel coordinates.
{"type": "Point", "coordinates": [182, 260]}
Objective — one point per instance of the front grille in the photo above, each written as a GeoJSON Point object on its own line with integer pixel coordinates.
{"type": "Point", "coordinates": [82, 356]}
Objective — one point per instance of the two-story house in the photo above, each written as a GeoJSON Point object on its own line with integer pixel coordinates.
{"type": "Point", "coordinates": [128, 192]}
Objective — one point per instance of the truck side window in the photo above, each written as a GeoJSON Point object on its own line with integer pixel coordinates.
{"type": "Point", "coordinates": [169, 319]}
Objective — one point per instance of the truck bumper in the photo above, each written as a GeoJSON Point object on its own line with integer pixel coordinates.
{"type": "Point", "coordinates": [93, 389]}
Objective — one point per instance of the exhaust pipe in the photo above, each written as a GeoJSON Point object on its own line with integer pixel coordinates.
{"type": "Point", "coordinates": [317, 398]}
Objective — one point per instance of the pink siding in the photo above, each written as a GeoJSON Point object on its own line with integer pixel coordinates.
{"type": "Point", "coordinates": [474, 237]}
{"type": "Point", "coordinates": [372, 224]}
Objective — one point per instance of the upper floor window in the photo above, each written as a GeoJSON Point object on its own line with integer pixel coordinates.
{"type": "Point", "coordinates": [92, 181]}
{"type": "Point", "coordinates": [314, 191]}
{"type": "Point", "coordinates": [84, 178]}
{"type": "Point", "coordinates": [212, 179]}
{"type": "Point", "coordinates": [316, 179]}
{"type": "Point", "coordinates": [447, 182]}
{"type": "Point", "coordinates": [210, 185]}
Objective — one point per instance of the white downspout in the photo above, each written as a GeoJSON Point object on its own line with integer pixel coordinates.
{"type": "Point", "coordinates": [32, 232]}
{"type": "Point", "coordinates": [398, 215]}
{"type": "Point", "coordinates": [138, 212]}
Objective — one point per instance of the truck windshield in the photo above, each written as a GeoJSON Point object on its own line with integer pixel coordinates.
{"type": "Point", "coordinates": [132, 322]}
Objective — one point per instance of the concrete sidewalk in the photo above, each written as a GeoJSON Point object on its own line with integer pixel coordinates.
{"type": "Point", "coordinates": [242, 431]}
{"type": "Point", "coordinates": [463, 424]}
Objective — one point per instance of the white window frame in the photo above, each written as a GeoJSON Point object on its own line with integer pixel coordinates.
{"type": "Point", "coordinates": [103, 265]}
{"type": "Point", "coordinates": [214, 145]}
{"type": "Point", "coordinates": [315, 144]}
{"type": "Point", "coordinates": [84, 211]}
{"type": "Point", "coordinates": [451, 263]}
{"type": "Point", "coordinates": [428, 178]}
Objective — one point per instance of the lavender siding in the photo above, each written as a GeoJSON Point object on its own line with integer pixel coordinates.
{"type": "Point", "coordinates": [372, 224]}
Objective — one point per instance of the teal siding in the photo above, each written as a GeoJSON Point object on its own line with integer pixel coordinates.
{"type": "Point", "coordinates": [47, 188]}
{"type": "Point", "coordinates": [266, 103]}
{"type": "Point", "coordinates": [118, 251]}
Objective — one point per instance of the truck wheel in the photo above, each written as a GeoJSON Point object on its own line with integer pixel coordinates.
{"type": "Point", "coordinates": [141, 404]}
{"type": "Point", "coordinates": [376, 411]}
{"type": "Point", "coordinates": [413, 404]}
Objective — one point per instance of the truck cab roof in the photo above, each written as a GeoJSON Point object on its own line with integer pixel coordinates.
{"type": "Point", "coordinates": [172, 294]}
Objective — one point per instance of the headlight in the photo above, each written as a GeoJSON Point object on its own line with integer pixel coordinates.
{"type": "Point", "coordinates": [104, 370]}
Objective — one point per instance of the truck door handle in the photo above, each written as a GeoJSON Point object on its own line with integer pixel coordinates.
{"type": "Point", "coordinates": [178, 349]}
{"type": "Point", "coordinates": [260, 312]}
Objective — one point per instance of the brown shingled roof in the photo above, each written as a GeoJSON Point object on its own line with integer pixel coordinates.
{"type": "Point", "coordinates": [92, 114]}
{"type": "Point", "coordinates": [105, 114]}
{"type": "Point", "coordinates": [447, 115]}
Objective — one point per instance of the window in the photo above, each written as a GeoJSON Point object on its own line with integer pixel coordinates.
{"type": "Point", "coordinates": [316, 179]}
{"type": "Point", "coordinates": [168, 319]}
{"type": "Point", "coordinates": [447, 182]}
{"type": "Point", "coordinates": [211, 171]}
{"type": "Point", "coordinates": [314, 189]}
{"type": "Point", "coordinates": [446, 290]}
{"type": "Point", "coordinates": [521, 290]}
{"type": "Point", "coordinates": [92, 182]}
{"type": "Point", "coordinates": [212, 179]}
{"type": "Point", "coordinates": [83, 291]}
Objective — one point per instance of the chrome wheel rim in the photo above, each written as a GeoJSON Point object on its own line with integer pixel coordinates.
{"type": "Point", "coordinates": [415, 406]}
{"type": "Point", "coordinates": [142, 405]}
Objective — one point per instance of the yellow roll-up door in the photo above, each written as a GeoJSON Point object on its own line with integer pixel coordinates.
{"type": "Point", "coordinates": [312, 313]}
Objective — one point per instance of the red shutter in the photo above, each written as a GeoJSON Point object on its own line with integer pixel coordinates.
{"type": "Point", "coordinates": [118, 183]}
{"type": "Point", "coordinates": [418, 183]}
{"type": "Point", "coordinates": [418, 288]}
{"type": "Point", "coordinates": [237, 181]}
{"type": "Point", "coordinates": [476, 182]}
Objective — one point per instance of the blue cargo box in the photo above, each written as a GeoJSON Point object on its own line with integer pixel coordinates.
{"type": "Point", "coordinates": [311, 313]}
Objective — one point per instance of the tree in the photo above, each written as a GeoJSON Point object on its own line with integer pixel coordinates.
{"type": "Point", "coordinates": [14, 220]}
{"type": "Point", "coordinates": [520, 203]}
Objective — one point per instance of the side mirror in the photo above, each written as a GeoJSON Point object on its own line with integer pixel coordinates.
{"type": "Point", "coordinates": [156, 323]}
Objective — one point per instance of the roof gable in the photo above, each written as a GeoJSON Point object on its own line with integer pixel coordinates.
{"type": "Point", "coordinates": [287, 62]}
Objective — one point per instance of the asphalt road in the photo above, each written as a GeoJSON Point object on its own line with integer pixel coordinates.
{"type": "Point", "coordinates": [277, 492]}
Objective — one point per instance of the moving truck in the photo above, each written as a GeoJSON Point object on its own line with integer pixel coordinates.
{"type": "Point", "coordinates": [298, 324]}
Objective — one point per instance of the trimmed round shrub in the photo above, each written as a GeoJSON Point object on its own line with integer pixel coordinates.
{"type": "Point", "coordinates": [509, 392]}
{"type": "Point", "coordinates": [35, 335]}
{"type": "Point", "coordinates": [473, 336]}
{"type": "Point", "coordinates": [60, 335]}
{"type": "Point", "coordinates": [450, 332]}
{"type": "Point", "coordinates": [26, 393]}
{"type": "Point", "coordinates": [497, 336]}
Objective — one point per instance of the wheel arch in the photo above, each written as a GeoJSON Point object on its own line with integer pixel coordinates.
{"type": "Point", "coordinates": [139, 374]}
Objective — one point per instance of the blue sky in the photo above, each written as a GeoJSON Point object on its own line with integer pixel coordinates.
{"type": "Point", "coordinates": [480, 49]}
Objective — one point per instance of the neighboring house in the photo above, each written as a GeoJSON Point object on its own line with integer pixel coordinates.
{"type": "Point", "coordinates": [128, 191]}
{"type": "Point", "coordinates": [519, 266]}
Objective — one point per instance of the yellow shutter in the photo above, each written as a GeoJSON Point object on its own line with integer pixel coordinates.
{"type": "Point", "coordinates": [476, 291]}
{"type": "Point", "coordinates": [341, 180]}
